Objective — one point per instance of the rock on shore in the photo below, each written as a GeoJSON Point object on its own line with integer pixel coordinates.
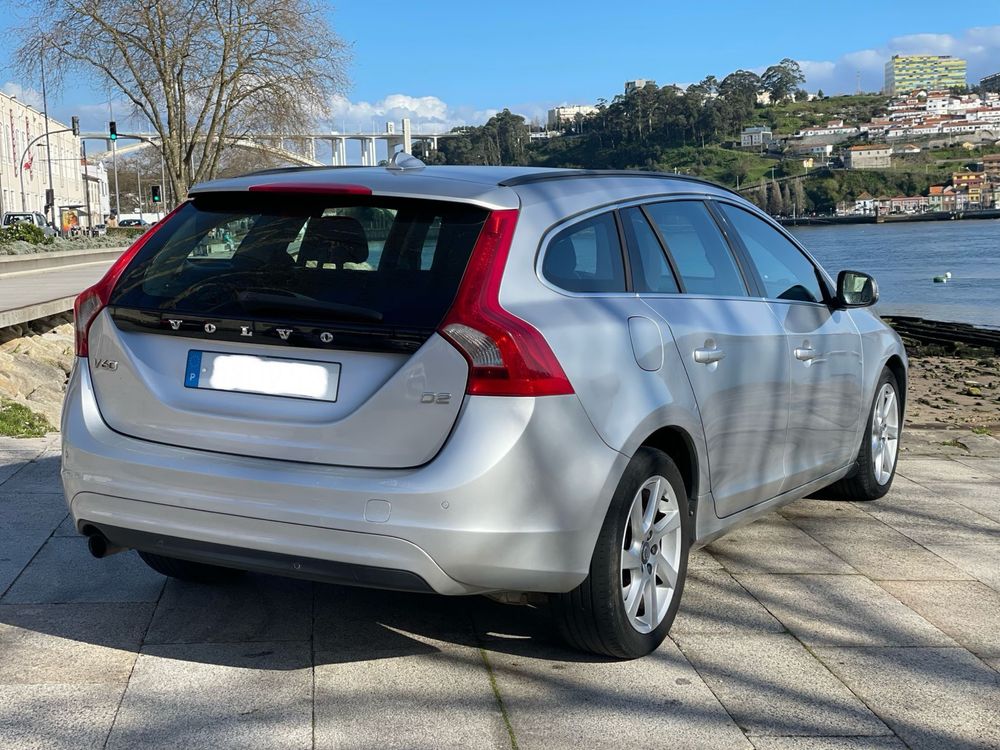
{"type": "Point", "coordinates": [35, 361]}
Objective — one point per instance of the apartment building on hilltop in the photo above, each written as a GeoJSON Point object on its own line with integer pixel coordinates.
{"type": "Point", "coordinates": [906, 73]}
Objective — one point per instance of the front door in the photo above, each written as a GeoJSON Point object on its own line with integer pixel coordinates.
{"type": "Point", "coordinates": [823, 349]}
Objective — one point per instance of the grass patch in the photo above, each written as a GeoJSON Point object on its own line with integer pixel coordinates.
{"type": "Point", "coordinates": [20, 421]}
{"type": "Point", "coordinates": [981, 430]}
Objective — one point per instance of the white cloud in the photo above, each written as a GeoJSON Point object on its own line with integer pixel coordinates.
{"type": "Point", "coordinates": [980, 46]}
{"type": "Point", "coordinates": [24, 94]}
{"type": "Point", "coordinates": [426, 113]}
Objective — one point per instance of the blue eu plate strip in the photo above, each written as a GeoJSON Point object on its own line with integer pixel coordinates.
{"type": "Point", "coordinates": [193, 374]}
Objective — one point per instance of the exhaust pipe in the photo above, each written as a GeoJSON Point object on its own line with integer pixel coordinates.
{"type": "Point", "coordinates": [99, 546]}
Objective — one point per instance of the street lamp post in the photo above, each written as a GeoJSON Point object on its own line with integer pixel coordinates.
{"type": "Point", "coordinates": [48, 145]}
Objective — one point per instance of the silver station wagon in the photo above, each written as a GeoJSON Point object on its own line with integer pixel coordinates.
{"type": "Point", "coordinates": [471, 380]}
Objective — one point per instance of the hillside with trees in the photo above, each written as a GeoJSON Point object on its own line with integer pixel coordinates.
{"type": "Point", "coordinates": [696, 131]}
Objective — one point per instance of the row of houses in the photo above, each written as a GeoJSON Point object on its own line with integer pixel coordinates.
{"type": "Point", "coordinates": [967, 191]}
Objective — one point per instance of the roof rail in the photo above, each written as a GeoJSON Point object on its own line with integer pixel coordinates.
{"type": "Point", "coordinates": [569, 174]}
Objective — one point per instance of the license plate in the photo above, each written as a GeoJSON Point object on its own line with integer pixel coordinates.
{"type": "Point", "coordinates": [269, 376]}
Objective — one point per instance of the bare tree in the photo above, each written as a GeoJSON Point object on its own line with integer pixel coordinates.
{"type": "Point", "coordinates": [203, 73]}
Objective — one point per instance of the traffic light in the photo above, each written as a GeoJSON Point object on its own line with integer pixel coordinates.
{"type": "Point", "coordinates": [154, 192]}
{"type": "Point", "coordinates": [50, 198]}
{"type": "Point", "coordinates": [75, 125]}
{"type": "Point", "coordinates": [112, 131]}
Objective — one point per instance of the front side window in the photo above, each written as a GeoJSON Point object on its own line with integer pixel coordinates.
{"type": "Point", "coordinates": [699, 250]}
{"type": "Point", "coordinates": [787, 273]}
{"type": "Point", "coordinates": [586, 257]}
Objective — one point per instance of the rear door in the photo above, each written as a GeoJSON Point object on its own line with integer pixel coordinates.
{"type": "Point", "coordinates": [823, 350]}
{"type": "Point", "coordinates": [733, 349]}
{"type": "Point", "coordinates": [290, 327]}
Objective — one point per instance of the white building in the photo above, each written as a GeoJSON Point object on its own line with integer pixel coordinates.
{"type": "Point", "coordinates": [756, 136]}
{"type": "Point", "coordinates": [560, 117]}
{"type": "Point", "coordinates": [96, 177]}
{"type": "Point", "coordinates": [868, 156]}
{"type": "Point", "coordinates": [20, 123]}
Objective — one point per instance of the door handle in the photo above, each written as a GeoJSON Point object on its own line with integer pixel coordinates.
{"type": "Point", "coordinates": [708, 356]}
{"type": "Point", "coordinates": [806, 353]}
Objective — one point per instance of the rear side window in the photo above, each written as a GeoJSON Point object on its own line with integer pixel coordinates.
{"type": "Point", "coordinates": [586, 257]}
{"type": "Point", "coordinates": [650, 271]}
{"type": "Point", "coordinates": [787, 274]}
{"type": "Point", "coordinates": [699, 251]}
{"type": "Point", "coordinates": [383, 262]}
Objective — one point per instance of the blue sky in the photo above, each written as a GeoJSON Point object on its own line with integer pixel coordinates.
{"type": "Point", "coordinates": [452, 62]}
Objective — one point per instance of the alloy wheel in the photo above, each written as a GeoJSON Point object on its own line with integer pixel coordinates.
{"type": "Point", "coordinates": [885, 433]}
{"type": "Point", "coordinates": [651, 554]}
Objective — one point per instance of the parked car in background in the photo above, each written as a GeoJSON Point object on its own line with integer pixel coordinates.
{"type": "Point", "coordinates": [133, 223]}
{"type": "Point", "coordinates": [28, 217]}
{"type": "Point", "coordinates": [470, 380]}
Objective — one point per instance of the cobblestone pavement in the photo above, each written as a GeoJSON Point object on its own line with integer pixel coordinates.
{"type": "Point", "coordinates": [825, 625]}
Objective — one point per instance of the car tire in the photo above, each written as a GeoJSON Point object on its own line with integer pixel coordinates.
{"type": "Point", "coordinates": [870, 479]}
{"type": "Point", "coordinates": [187, 570]}
{"type": "Point", "coordinates": [601, 615]}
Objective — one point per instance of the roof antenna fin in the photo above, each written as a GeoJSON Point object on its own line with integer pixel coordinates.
{"type": "Point", "coordinates": [404, 162]}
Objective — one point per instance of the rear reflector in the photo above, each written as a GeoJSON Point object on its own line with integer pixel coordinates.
{"type": "Point", "coordinates": [507, 356]}
{"type": "Point", "coordinates": [94, 299]}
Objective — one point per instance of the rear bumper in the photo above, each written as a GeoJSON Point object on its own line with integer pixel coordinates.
{"type": "Point", "coordinates": [514, 500]}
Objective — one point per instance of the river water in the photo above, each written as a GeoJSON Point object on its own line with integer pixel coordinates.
{"type": "Point", "coordinates": [904, 259]}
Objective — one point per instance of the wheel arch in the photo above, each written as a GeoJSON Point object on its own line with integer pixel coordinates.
{"type": "Point", "coordinates": [895, 365]}
{"type": "Point", "coordinates": [679, 445]}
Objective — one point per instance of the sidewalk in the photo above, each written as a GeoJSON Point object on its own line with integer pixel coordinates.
{"type": "Point", "coordinates": [825, 625]}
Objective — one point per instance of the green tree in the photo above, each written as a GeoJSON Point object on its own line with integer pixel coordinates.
{"type": "Point", "coordinates": [783, 80]}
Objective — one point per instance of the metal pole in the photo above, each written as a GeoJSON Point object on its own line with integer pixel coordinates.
{"type": "Point", "coordinates": [114, 161]}
{"type": "Point", "coordinates": [138, 182]}
{"type": "Point", "coordinates": [86, 187]}
{"type": "Point", "coordinates": [48, 146]}
{"type": "Point", "coordinates": [163, 179]}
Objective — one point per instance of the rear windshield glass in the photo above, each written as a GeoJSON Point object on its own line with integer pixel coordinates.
{"type": "Point", "coordinates": [391, 262]}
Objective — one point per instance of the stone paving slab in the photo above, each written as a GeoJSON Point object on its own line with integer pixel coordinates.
{"type": "Point", "coordinates": [775, 545]}
{"type": "Point", "coordinates": [441, 698]}
{"type": "Point", "coordinates": [253, 608]}
{"type": "Point", "coordinates": [828, 743]}
{"type": "Point", "coordinates": [70, 643]}
{"type": "Point", "coordinates": [771, 685]}
{"type": "Point", "coordinates": [989, 466]}
{"type": "Point", "coordinates": [39, 475]}
{"type": "Point", "coordinates": [57, 717]}
{"type": "Point", "coordinates": [968, 611]}
{"type": "Point", "coordinates": [931, 698]}
{"type": "Point", "coordinates": [240, 696]}
{"type": "Point", "coordinates": [871, 547]}
{"type": "Point", "coordinates": [981, 497]}
{"type": "Point", "coordinates": [64, 571]}
{"type": "Point", "coordinates": [714, 602]}
{"type": "Point", "coordinates": [981, 561]}
{"type": "Point", "coordinates": [825, 610]}
{"type": "Point", "coordinates": [560, 700]}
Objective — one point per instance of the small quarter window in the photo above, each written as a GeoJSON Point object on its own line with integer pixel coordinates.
{"type": "Point", "coordinates": [586, 257]}
{"type": "Point", "coordinates": [699, 250]}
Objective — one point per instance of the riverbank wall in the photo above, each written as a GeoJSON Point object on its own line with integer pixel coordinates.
{"type": "Point", "coordinates": [806, 221]}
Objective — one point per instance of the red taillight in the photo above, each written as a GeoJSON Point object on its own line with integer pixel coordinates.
{"type": "Point", "coordinates": [507, 356]}
{"type": "Point", "coordinates": [93, 299]}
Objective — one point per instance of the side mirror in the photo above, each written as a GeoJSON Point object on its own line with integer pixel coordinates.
{"type": "Point", "coordinates": [856, 289]}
